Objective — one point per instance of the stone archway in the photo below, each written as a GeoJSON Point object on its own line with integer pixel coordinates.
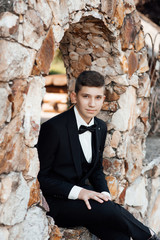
{"type": "Point", "coordinates": [100, 35]}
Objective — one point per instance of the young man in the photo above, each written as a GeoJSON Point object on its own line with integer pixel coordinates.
{"type": "Point", "coordinates": [71, 177]}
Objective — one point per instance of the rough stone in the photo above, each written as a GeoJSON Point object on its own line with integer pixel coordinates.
{"type": "Point", "coordinates": [94, 13]}
{"type": "Point", "coordinates": [139, 198]}
{"type": "Point", "coordinates": [31, 33]}
{"type": "Point", "coordinates": [124, 63]}
{"type": "Point", "coordinates": [32, 114]}
{"type": "Point", "coordinates": [43, 203]}
{"type": "Point", "coordinates": [116, 137]}
{"type": "Point", "coordinates": [5, 105]}
{"type": "Point", "coordinates": [113, 186]}
{"type": "Point", "coordinates": [139, 41]}
{"type": "Point", "coordinates": [76, 17]}
{"type": "Point", "coordinates": [133, 81]}
{"type": "Point", "coordinates": [32, 170]}
{"type": "Point", "coordinates": [129, 6]}
{"type": "Point", "coordinates": [34, 226]}
{"type": "Point", "coordinates": [132, 63]}
{"type": "Point", "coordinates": [19, 89]}
{"type": "Point", "coordinates": [139, 132]}
{"type": "Point", "coordinates": [111, 95]}
{"type": "Point", "coordinates": [154, 220]}
{"type": "Point", "coordinates": [110, 126]}
{"type": "Point", "coordinates": [134, 160]}
{"type": "Point", "coordinates": [74, 56]}
{"type": "Point", "coordinates": [144, 108]}
{"type": "Point", "coordinates": [106, 164]}
{"type": "Point", "coordinates": [144, 86]}
{"type": "Point", "coordinates": [119, 89]}
{"type": "Point", "coordinates": [110, 106]}
{"type": "Point", "coordinates": [114, 167]}
{"type": "Point", "coordinates": [107, 47]}
{"type": "Point", "coordinates": [54, 232]}
{"type": "Point", "coordinates": [125, 117]}
{"type": "Point", "coordinates": [60, 12]}
{"type": "Point", "coordinates": [143, 62]}
{"type": "Point", "coordinates": [15, 61]}
{"type": "Point", "coordinates": [82, 51]}
{"type": "Point", "coordinates": [136, 17]}
{"type": "Point", "coordinates": [109, 152]}
{"type": "Point", "coordinates": [76, 233]}
{"type": "Point", "coordinates": [5, 189]}
{"type": "Point", "coordinates": [86, 60]}
{"type": "Point", "coordinates": [121, 80]}
{"type": "Point", "coordinates": [75, 5]}
{"type": "Point", "coordinates": [108, 139]}
{"type": "Point", "coordinates": [45, 12]}
{"type": "Point", "coordinates": [58, 32]}
{"type": "Point", "coordinates": [100, 62]}
{"type": "Point", "coordinates": [152, 170]}
{"type": "Point", "coordinates": [94, 3]}
{"type": "Point", "coordinates": [96, 41]}
{"type": "Point", "coordinates": [109, 7]}
{"type": "Point", "coordinates": [122, 191]}
{"type": "Point", "coordinates": [81, 65]}
{"type": "Point", "coordinates": [153, 205]}
{"type": "Point", "coordinates": [20, 7]}
{"type": "Point", "coordinates": [128, 31]}
{"type": "Point", "coordinates": [34, 193]}
{"type": "Point", "coordinates": [98, 51]}
{"type": "Point", "coordinates": [4, 234]}
{"type": "Point", "coordinates": [46, 53]}
{"type": "Point", "coordinates": [12, 147]}
{"type": "Point", "coordinates": [117, 65]}
{"type": "Point", "coordinates": [119, 14]}
{"type": "Point", "coordinates": [8, 25]}
{"type": "Point", "coordinates": [13, 211]}
{"type": "Point", "coordinates": [122, 148]}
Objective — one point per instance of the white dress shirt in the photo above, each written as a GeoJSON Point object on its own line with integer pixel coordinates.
{"type": "Point", "coordinates": [86, 144]}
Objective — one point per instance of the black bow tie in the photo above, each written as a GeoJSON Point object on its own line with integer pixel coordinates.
{"type": "Point", "coordinates": [83, 129]}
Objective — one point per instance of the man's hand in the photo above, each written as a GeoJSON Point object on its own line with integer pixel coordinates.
{"type": "Point", "coordinates": [85, 195]}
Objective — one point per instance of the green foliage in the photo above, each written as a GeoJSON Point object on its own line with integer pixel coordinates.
{"type": "Point", "coordinates": [57, 65]}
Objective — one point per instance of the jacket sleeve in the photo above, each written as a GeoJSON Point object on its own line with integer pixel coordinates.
{"type": "Point", "coordinates": [97, 178]}
{"type": "Point", "coordinates": [47, 147]}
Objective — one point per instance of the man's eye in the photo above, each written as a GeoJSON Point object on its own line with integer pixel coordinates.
{"type": "Point", "coordinates": [85, 96]}
{"type": "Point", "coordinates": [99, 97]}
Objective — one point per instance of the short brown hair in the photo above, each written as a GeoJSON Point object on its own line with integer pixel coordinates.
{"type": "Point", "coordinates": [89, 79]}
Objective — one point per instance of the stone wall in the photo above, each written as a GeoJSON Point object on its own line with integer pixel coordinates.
{"type": "Point", "coordinates": [100, 35]}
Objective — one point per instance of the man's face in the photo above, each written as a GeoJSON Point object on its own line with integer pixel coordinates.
{"type": "Point", "coordinates": [89, 101]}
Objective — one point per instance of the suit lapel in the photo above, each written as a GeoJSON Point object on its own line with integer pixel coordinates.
{"type": "Point", "coordinates": [97, 144]}
{"type": "Point", "coordinates": [74, 141]}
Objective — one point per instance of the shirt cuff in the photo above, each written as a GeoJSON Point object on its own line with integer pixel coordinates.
{"type": "Point", "coordinates": [107, 194]}
{"type": "Point", "coordinates": [74, 192]}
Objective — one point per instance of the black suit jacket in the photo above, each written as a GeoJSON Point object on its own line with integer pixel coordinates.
{"type": "Point", "coordinates": [59, 154]}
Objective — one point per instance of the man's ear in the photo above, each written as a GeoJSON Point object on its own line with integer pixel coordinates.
{"type": "Point", "coordinates": [73, 97]}
{"type": "Point", "coordinates": [104, 98]}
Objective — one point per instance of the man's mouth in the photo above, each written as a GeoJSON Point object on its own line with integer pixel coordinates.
{"type": "Point", "coordinates": [91, 110]}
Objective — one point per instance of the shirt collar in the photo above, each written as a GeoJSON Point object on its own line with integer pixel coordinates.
{"type": "Point", "coordinates": [80, 120]}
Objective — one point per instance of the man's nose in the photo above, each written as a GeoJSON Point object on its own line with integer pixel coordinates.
{"type": "Point", "coordinates": [92, 102]}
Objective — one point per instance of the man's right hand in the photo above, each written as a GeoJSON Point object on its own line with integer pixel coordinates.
{"type": "Point", "coordinates": [85, 195]}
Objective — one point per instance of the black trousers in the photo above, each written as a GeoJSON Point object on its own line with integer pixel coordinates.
{"type": "Point", "coordinates": [108, 220]}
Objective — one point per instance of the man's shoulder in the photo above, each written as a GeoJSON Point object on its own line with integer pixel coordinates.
{"type": "Point", "coordinates": [101, 123]}
{"type": "Point", "coordinates": [57, 120]}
